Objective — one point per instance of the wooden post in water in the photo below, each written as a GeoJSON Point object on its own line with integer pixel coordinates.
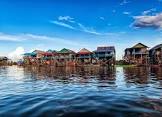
{"type": "Point", "coordinates": [141, 59]}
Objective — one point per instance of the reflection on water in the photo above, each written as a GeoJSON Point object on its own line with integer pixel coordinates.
{"type": "Point", "coordinates": [81, 91]}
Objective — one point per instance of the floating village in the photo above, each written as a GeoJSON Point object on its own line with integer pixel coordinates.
{"type": "Point", "coordinates": [139, 55]}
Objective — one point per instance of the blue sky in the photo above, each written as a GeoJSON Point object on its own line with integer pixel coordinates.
{"type": "Point", "coordinates": [74, 24]}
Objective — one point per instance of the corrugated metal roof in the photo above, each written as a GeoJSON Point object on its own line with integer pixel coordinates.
{"type": "Point", "coordinates": [64, 50]}
{"type": "Point", "coordinates": [105, 49]}
{"type": "Point", "coordinates": [156, 47]}
{"type": "Point", "coordinates": [38, 51]}
{"type": "Point", "coordinates": [30, 54]}
{"type": "Point", "coordinates": [140, 45]}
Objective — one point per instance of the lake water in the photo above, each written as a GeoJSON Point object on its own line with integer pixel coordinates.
{"type": "Point", "coordinates": [78, 92]}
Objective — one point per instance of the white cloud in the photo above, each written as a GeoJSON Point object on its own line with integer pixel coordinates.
{"type": "Point", "coordinates": [124, 2]}
{"type": "Point", "coordinates": [114, 11]}
{"type": "Point", "coordinates": [82, 28]}
{"type": "Point", "coordinates": [17, 54]}
{"type": "Point", "coordinates": [146, 12]}
{"type": "Point", "coordinates": [102, 18]}
{"type": "Point", "coordinates": [66, 18]}
{"type": "Point", "coordinates": [126, 13]}
{"type": "Point", "coordinates": [38, 38]}
{"type": "Point", "coordinates": [20, 37]}
{"type": "Point", "coordinates": [6, 37]}
{"type": "Point", "coordinates": [154, 21]}
{"type": "Point", "coordinates": [56, 40]}
{"type": "Point", "coordinates": [78, 27]}
{"type": "Point", "coordinates": [88, 30]}
{"type": "Point", "coordinates": [62, 24]}
{"type": "Point", "coordinates": [109, 24]}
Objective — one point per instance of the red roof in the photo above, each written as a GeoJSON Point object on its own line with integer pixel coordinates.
{"type": "Point", "coordinates": [47, 54]}
{"type": "Point", "coordinates": [84, 51]}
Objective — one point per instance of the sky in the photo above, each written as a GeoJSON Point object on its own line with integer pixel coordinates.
{"type": "Point", "coordinates": [26, 25]}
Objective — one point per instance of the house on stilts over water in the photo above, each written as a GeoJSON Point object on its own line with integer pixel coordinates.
{"type": "Point", "coordinates": [3, 60]}
{"type": "Point", "coordinates": [138, 54]}
{"type": "Point", "coordinates": [155, 55]}
{"type": "Point", "coordinates": [105, 55]}
{"type": "Point", "coordinates": [84, 56]}
{"type": "Point", "coordinates": [67, 57]}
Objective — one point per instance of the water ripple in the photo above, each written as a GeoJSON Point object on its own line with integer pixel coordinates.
{"type": "Point", "coordinates": [78, 92]}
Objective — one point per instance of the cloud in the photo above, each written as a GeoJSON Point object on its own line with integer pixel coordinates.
{"type": "Point", "coordinates": [82, 28]}
{"type": "Point", "coordinates": [154, 21]}
{"type": "Point", "coordinates": [88, 30]}
{"type": "Point", "coordinates": [114, 11]}
{"type": "Point", "coordinates": [13, 38]}
{"type": "Point", "coordinates": [20, 37]}
{"type": "Point", "coordinates": [146, 12]}
{"type": "Point", "coordinates": [62, 24]}
{"type": "Point", "coordinates": [38, 38]}
{"type": "Point", "coordinates": [102, 18]}
{"type": "Point", "coordinates": [55, 40]}
{"type": "Point", "coordinates": [77, 27]}
{"type": "Point", "coordinates": [66, 18]}
{"type": "Point", "coordinates": [109, 24]}
{"type": "Point", "coordinates": [16, 54]}
{"type": "Point", "coordinates": [126, 13]}
{"type": "Point", "coordinates": [124, 2]}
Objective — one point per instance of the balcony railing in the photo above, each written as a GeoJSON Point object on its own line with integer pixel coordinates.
{"type": "Point", "coordinates": [134, 53]}
{"type": "Point", "coordinates": [84, 57]}
{"type": "Point", "coordinates": [104, 55]}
